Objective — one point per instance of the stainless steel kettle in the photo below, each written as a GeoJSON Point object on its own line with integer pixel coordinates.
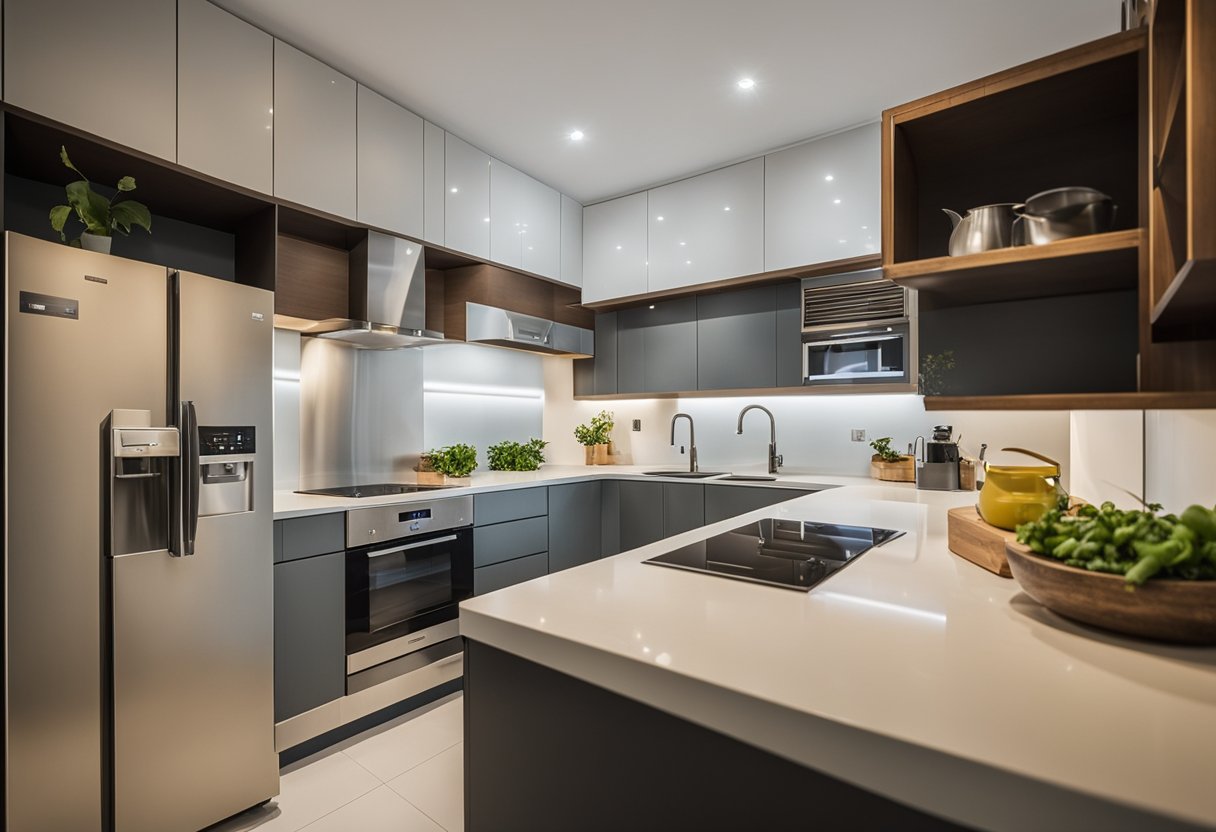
{"type": "Point", "coordinates": [983, 229]}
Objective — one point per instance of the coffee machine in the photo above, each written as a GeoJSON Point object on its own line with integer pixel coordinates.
{"type": "Point", "coordinates": [938, 461]}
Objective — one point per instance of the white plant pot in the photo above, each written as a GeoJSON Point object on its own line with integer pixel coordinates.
{"type": "Point", "coordinates": [95, 242]}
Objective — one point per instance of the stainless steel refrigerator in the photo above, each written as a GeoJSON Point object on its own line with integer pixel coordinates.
{"type": "Point", "coordinates": [138, 544]}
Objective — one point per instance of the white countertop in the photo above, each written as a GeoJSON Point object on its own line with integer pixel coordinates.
{"type": "Point", "coordinates": [292, 504]}
{"type": "Point", "coordinates": [912, 672]}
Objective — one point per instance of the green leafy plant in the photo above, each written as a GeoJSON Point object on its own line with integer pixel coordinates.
{"type": "Point", "coordinates": [517, 456]}
{"type": "Point", "coordinates": [933, 370]}
{"type": "Point", "coordinates": [597, 432]}
{"type": "Point", "coordinates": [884, 451]}
{"type": "Point", "coordinates": [98, 215]}
{"type": "Point", "coordinates": [453, 460]}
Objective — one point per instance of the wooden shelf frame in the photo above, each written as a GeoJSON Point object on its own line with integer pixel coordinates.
{"type": "Point", "coordinates": [1143, 400]}
{"type": "Point", "coordinates": [1097, 263]}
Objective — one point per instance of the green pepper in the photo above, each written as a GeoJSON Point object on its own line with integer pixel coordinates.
{"type": "Point", "coordinates": [1201, 521]}
{"type": "Point", "coordinates": [1065, 548]}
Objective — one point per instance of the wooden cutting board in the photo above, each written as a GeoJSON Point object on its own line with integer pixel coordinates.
{"type": "Point", "coordinates": [971, 538]}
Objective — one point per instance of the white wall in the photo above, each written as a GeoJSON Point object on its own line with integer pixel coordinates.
{"type": "Point", "coordinates": [1106, 456]}
{"type": "Point", "coordinates": [1180, 457]}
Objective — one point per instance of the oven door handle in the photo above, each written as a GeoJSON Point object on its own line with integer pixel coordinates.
{"type": "Point", "coordinates": [447, 538]}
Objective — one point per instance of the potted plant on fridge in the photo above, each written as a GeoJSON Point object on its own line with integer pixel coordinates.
{"type": "Point", "coordinates": [890, 465]}
{"type": "Point", "coordinates": [596, 438]}
{"type": "Point", "coordinates": [100, 216]}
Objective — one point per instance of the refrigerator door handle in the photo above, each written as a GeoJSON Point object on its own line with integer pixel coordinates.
{"type": "Point", "coordinates": [189, 493]}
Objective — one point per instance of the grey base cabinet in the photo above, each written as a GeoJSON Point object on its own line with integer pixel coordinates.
{"type": "Point", "coordinates": [575, 524]}
{"type": "Point", "coordinates": [683, 507]}
{"type": "Point", "coordinates": [641, 513]}
{"type": "Point", "coordinates": [722, 501]}
{"type": "Point", "coordinates": [508, 573]}
{"type": "Point", "coordinates": [309, 633]}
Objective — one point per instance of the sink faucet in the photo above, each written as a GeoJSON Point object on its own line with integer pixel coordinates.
{"type": "Point", "coordinates": [775, 460]}
{"type": "Point", "coordinates": [692, 441]}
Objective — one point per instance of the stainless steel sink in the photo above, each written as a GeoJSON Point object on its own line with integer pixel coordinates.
{"type": "Point", "coordinates": [749, 478]}
{"type": "Point", "coordinates": [688, 475]}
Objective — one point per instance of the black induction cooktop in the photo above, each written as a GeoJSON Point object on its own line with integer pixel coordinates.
{"type": "Point", "coordinates": [378, 489]}
{"type": "Point", "coordinates": [795, 554]}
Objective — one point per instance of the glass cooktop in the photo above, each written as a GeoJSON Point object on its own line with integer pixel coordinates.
{"type": "Point", "coordinates": [378, 489]}
{"type": "Point", "coordinates": [795, 554]}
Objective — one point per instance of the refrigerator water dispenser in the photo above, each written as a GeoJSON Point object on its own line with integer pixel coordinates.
{"type": "Point", "coordinates": [226, 456]}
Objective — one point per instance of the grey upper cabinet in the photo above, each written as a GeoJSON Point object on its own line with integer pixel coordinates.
{"type": "Point", "coordinates": [657, 347]}
{"type": "Point", "coordinates": [822, 199]}
{"type": "Point", "coordinates": [683, 507]}
{"type": "Point", "coordinates": [571, 270]}
{"type": "Point", "coordinates": [706, 228]}
{"type": "Point", "coordinates": [225, 108]}
{"type": "Point", "coordinates": [640, 513]}
{"type": "Point", "coordinates": [789, 334]}
{"type": "Point", "coordinates": [525, 221]}
{"type": "Point", "coordinates": [109, 70]}
{"type": "Point", "coordinates": [614, 248]}
{"type": "Point", "coordinates": [575, 518]}
{"type": "Point", "coordinates": [309, 633]}
{"type": "Point", "coordinates": [315, 133]}
{"type": "Point", "coordinates": [435, 201]}
{"type": "Point", "coordinates": [737, 339]}
{"type": "Point", "coordinates": [391, 165]}
{"type": "Point", "coordinates": [597, 376]}
{"type": "Point", "coordinates": [467, 198]}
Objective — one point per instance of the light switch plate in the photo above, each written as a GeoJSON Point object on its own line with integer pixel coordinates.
{"type": "Point", "coordinates": [637, 424]}
{"type": "Point", "coordinates": [859, 435]}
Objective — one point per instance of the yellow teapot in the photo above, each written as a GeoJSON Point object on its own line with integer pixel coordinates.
{"type": "Point", "coordinates": [1015, 494]}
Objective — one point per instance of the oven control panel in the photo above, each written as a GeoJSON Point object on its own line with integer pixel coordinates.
{"type": "Point", "coordinates": [377, 524]}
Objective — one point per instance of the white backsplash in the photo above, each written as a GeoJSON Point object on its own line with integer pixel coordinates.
{"type": "Point", "coordinates": [1180, 457]}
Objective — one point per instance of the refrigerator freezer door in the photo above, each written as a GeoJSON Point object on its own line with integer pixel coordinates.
{"type": "Point", "coordinates": [193, 636]}
{"type": "Point", "coordinates": [100, 345]}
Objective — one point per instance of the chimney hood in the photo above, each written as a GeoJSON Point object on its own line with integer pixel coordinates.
{"type": "Point", "coordinates": [387, 297]}
{"type": "Point", "coordinates": [503, 328]}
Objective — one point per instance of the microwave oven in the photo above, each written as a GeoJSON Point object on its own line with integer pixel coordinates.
{"type": "Point", "coordinates": [857, 328]}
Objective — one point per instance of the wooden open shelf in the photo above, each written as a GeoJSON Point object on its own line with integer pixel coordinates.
{"type": "Point", "coordinates": [1098, 263]}
{"type": "Point", "coordinates": [1144, 400]}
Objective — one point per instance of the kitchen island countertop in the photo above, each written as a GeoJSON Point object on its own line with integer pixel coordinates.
{"type": "Point", "coordinates": [912, 673]}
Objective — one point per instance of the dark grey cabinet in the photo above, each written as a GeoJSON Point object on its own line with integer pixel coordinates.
{"type": "Point", "coordinates": [309, 633]}
{"type": "Point", "coordinates": [575, 524]}
{"type": "Point", "coordinates": [657, 347]}
{"type": "Point", "coordinates": [511, 504]}
{"type": "Point", "coordinates": [683, 507]}
{"type": "Point", "coordinates": [737, 339]}
{"type": "Point", "coordinates": [511, 572]}
{"type": "Point", "coordinates": [610, 518]}
{"type": "Point", "coordinates": [597, 376]}
{"type": "Point", "coordinates": [641, 513]}
{"type": "Point", "coordinates": [513, 539]}
{"type": "Point", "coordinates": [303, 537]}
{"type": "Point", "coordinates": [789, 334]}
{"type": "Point", "coordinates": [722, 501]}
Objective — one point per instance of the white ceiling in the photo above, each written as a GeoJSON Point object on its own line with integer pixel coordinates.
{"type": "Point", "coordinates": [652, 82]}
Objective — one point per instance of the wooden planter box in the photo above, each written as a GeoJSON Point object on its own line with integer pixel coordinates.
{"type": "Point", "coordinates": [598, 454]}
{"type": "Point", "coordinates": [902, 471]}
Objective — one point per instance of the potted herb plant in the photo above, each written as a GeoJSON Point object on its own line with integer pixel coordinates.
{"type": "Point", "coordinates": [517, 456]}
{"type": "Point", "coordinates": [890, 465]}
{"type": "Point", "coordinates": [596, 438]}
{"type": "Point", "coordinates": [456, 461]}
{"type": "Point", "coordinates": [100, 216]}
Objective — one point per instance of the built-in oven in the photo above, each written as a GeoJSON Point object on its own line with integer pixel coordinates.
{"type": "Point", "coordinates": [408, 567]}
{"type": "Point", "coordinates": [857, 328]}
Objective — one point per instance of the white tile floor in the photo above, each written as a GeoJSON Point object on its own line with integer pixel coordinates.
{"type": "Point", "coordinates": [406, 775]}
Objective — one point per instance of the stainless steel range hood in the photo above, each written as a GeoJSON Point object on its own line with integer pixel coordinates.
{"type": "Point", "coordinates": [387, 298]}
{"type": "Point", "coordinates": [503, 328]}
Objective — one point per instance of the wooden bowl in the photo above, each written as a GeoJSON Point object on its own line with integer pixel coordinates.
{"type": "Point", "coordinates": [1163, 609]}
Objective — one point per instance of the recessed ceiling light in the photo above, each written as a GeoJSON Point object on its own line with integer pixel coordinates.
{"type": "Point", "coordinates": [835, 201]}
{"type": "Point", "coordinates": [725, 207]}
{"type": "Point", "coordinates": [746, 83]}
{"type": "Point", "coordinates": [828, 178]}
{"type": "Point", "coordinates": [576, 135]}
{"type": "Point", "coordinates": [687, 262]}
{"type": "Point", "coordinates": [618, 248]}
{"type": "Point", "coordinates": [683, 243]}
{"type": "Point", "coordinates": [454, 190]}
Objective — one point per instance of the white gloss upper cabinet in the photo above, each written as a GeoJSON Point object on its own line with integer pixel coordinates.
{"type": "Point", "coordinates": [225, 112]}
{"type": "Point", "coordinates": [109, 70]}
{"type": "Point", "coordinates": [709, 227]}
{"type": "Point", "coordinates": [614, 248]}
{"type": "Point", "coordinates": [571, 270]}
{"type": "Point", "coordinates": [434, 201]}
{"type": "Point", "coordinates": [822, 200]}
{"type": "Point", "coordinates": [314, 133]}
{"type": "Point", "coordinates": [525, 221]}
{"type": "Point", "coordinates": [391, 165]}
{"type": "Point", "coordinates": [466, 198]}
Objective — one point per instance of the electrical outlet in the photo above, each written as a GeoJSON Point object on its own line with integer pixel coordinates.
{"type": "Point", "coordinates": [637, 424]}
{"type": "Point", "coordinates": [859, 435]}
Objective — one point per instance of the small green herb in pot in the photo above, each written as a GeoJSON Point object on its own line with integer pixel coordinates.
{"type": "Point", "coordinates": [517, 456]}
{"type": "Point", "coordinates": [884, 451]}
{"type": "Point", "coordinates": [454, 460]}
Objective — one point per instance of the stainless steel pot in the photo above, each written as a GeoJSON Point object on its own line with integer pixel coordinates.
{"type": "Point", "coordinates": [1062, 213]}
{"type": "Point", "coordinates": [983, 229]}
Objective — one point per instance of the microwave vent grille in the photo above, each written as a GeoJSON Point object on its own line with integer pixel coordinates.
{"type": "Point", "coordinates": [848, 303]}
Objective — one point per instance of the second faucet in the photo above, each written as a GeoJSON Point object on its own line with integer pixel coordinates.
{"type": "Point", "coordinates": [775, 459]}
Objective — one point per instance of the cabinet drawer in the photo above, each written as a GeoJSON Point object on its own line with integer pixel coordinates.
{"type": "Point", "coordinates": [501, 506]}
{"type": "Point", "coordinates": [303, 537]}
{"type": "Point", "coordinates": [504, 541]}
{"type": "Point", "coordinates": [508, 573]}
